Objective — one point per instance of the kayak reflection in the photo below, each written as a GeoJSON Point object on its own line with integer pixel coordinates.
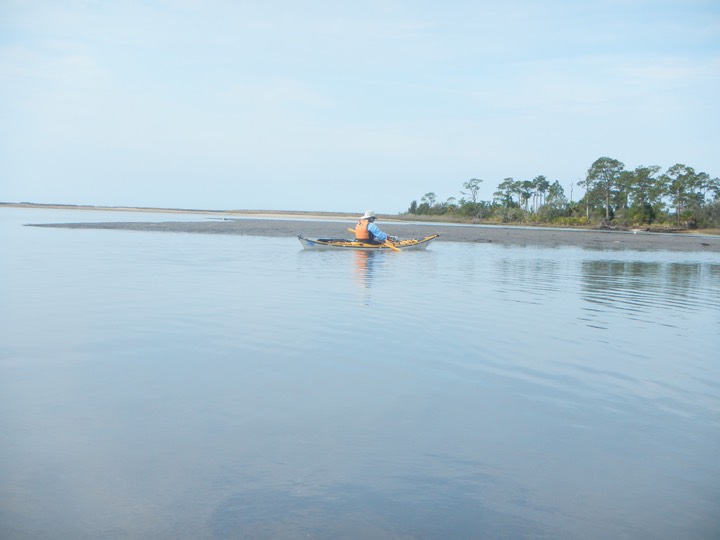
{"type": "Point", "coordinates": [364, 267]}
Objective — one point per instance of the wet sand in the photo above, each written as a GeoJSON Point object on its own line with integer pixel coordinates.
{"type": "Point", "coordinates": [335, 226]}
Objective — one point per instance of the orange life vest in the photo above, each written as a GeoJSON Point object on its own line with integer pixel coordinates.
{"type": "Point", "coordinates": [361, 230]}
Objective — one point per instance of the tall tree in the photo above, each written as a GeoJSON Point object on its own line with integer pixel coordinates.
{"type": "Point", "coordinates": [472, 186]}
{"type": "Point", "coordinates": [429, 198]}
{"type": "Point", "coordinates": [525, 189]}
{"type": "Point", "coordinates": [505, 191]}
{"type": "Point", "coordinates": [605, 173]}
{"type": "Point", "coordinates": [556, 195]}
{"type": "Point", "coordinates": [644, 190]}
{"type": "Point", "coordinates": [681, 185]}
{"type": "Point", "coordinates": [590, 194]}
{"type": "Point", "coordinates": [541, 186]}
{"type": "Point", "coordinates": [708, 185]}
{"type": "Point", "coordinates": [713, 187]}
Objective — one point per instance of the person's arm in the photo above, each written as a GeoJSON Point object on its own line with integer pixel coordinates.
{"type": "Point", "coordinates": [377, 233]}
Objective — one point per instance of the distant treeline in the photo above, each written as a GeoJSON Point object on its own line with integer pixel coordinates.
{"type": "Point", "coordinates": [679, 197]}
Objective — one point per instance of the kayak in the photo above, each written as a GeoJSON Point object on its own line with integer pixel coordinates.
{"type": "Point", "coordinates": [355, 245]}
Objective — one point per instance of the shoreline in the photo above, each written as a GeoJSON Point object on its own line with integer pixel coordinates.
{"type": "Point", "coordinates": [334, 225]}
{"type": "Point", "coordinates": [318, 214]}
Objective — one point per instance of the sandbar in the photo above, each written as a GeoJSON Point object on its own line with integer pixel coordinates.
{"type": "Point", "coordinates": [335, 226]}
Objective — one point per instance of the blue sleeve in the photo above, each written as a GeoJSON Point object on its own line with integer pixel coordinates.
{"type": "Point", "coordinates": [377, 233]}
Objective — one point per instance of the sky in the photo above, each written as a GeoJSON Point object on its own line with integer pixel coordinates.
{"type": "Point", "coordinates": [345, 106]}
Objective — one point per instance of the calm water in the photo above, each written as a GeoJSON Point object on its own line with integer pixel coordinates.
{"type": "Point", "coordinates": [177, 386]}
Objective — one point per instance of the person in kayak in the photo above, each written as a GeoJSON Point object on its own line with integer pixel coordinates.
{"type": "Point", "coordinates": [366, 230]}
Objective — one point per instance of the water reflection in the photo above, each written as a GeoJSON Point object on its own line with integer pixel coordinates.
{"type": "Point", "coordinates": [636, 286]}
{"type": "Point", "coordinates": [364, 263]}
{"type": "Point", "coordinates": [224, 387]}
{"type": "Point", "coordinates": [535, 277]}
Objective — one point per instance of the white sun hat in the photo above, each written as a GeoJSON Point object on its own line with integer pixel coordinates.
{"type": "Point", "coordinates": [369, 214]}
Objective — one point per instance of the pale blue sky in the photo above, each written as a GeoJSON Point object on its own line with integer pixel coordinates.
{"type": "Point", "coordinates": [345, 106]}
